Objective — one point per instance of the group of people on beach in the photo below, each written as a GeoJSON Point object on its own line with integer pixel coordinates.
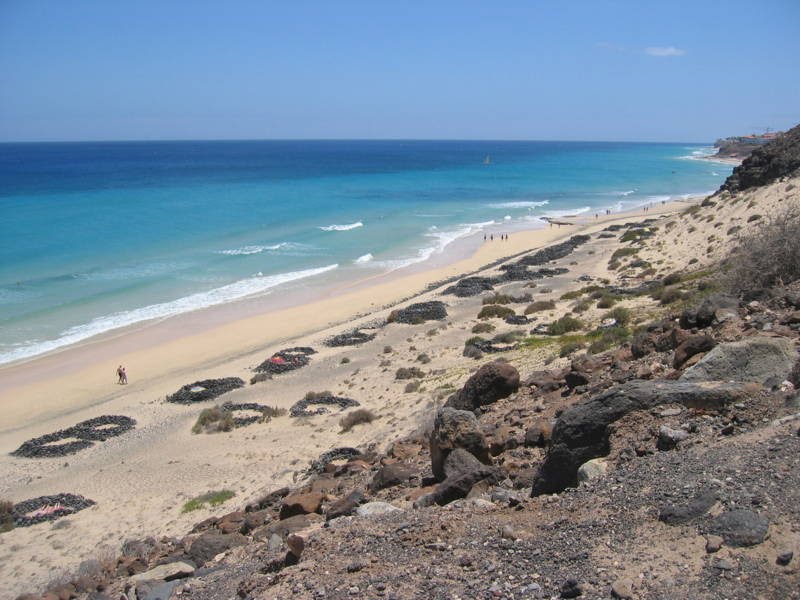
{"type": "Point", "coordinates": [503, 236]}
{"type": "Point", "coordinates": [122, 375]}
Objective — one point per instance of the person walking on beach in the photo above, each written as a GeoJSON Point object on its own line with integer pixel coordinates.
{"type": "Point", "coordinates": [119, 374]}
{"type": "Point", "coordinates": [124, 376]}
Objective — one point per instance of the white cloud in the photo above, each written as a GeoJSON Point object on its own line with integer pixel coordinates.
{"type": "Point", "coordinates": [664, 51]}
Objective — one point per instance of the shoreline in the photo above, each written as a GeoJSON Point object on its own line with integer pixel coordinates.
{"type": "Point", "coordinates": [206, 340]}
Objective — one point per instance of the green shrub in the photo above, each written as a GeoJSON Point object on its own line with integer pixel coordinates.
{"type": "Point", "coordinates": [569, 348]}
{"type": "Point", "coordinates": [607, 338]}
{"type": "Point", "coordinates": [507, 338]}
{"type": "Point", "coordinates": [356, 417]}
{"type": "Point", "coordinates": [495, 311]}
{"type": "Point", "coordinates": [423, 358]}
{"type": "Point", "coordinates": [483, 328]}
{"type": "Point", "coordinates": [620, 314]}
{"type": "Point", "coordinates": [671, 279]}
{"type": "Point", "coordinates": [210, 498]}
{"type": "Point", "coordinates": [539, 306]}
{"type": "Point", "coordinates": [344, 360]}
{"type": "Point", "coordinates": [623, 252]}
{"type": "Point", "coordinates": [565, 324]}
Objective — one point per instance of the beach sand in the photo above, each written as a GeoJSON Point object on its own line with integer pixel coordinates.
{"type": "Point", "coordinates": [141, 479]}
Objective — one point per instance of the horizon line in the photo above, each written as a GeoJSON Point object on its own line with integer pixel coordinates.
{"type": "Point", "coordinates": [335, 139]}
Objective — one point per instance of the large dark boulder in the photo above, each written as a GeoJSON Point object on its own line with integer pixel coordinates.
{"type": "Point", "coordinates": [756, 359]}
{"type": "Point", "coordinates": [493, 381]}
{"type": "Point", "coordinates": [740, 527]}
{"type": "Point", "coordinates": [456, 429]}
{"type": "Point", "coordinates": [582, 431]}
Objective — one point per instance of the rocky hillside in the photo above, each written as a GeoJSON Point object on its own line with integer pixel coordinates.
{"type": "Point", "coordinates": [779, 158]}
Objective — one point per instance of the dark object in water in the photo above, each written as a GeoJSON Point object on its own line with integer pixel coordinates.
{"type": "Point", "coordinates": [206, 389]}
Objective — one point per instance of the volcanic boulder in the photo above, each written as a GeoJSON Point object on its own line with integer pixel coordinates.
{"type": "Point", "coordinates": [456, 429]}
{"type": "Point", "coordinates": [493, 381]}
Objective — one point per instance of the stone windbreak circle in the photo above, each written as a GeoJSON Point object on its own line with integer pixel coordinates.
{"type": "Point", "coordinates": [75, 438]}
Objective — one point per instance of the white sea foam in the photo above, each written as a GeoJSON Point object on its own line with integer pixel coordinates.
{"type": "Point", "coordinates": [555, 214]}
{"type": "Point", "coordinates": [221, 295]}
{"type": "Point", "coordinates": [364, 259]}
{"type": "Point", "coordinates": [520, 204]}
{"type": "Point", "coordinates": [245, 250]}
{"type": "Point", "coordinates": [507, 218]}
{"type": "Point", "coordinates": [443, 238]}
{"type": "Point", "coordinates": [347, 227]}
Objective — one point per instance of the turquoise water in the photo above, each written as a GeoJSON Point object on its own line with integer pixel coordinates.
{"type": "Point", "coordinates": [97, 236]}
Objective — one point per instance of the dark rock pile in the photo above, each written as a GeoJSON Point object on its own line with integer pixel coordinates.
{"type": "Point", "coordinates": [350, 338]}
{"type": "Point", "coordinates": [471, 286]}
{"type": "Point", "coordinates": [84, 434]}
{"type": "Point", "coordinates": [318, 466]}
{"type": "Point", "coordinates": [206, 389]}
{"type": "Point", "coordinates": [233, 408]}
{"type": "Point", "coordinates": [554, 252]}
{"type": "Point", "coordinates": [48, 508]}
{"type": "Point", "coordinates": [288, 359]}
{"type": "Point", "coordinates": [300, 409]}
{"type": "Point", "coordinates": [419, 313]}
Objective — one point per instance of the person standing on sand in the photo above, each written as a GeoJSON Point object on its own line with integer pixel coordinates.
{"type": "Point", "coordinates": [119, 374]}
{"type": "Point", "coordinates": [124, 377]}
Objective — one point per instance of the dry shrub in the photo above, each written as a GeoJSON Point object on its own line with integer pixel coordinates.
{"type": "Point", "coordinates": [767, 256]}
{"type": "Point", "coordinates": [539, 306]}
{"type": "Point", "coordinates": [6, 518]}
{"type": "Point", "coordinates": [357, 417]}
{"type": "Point", "coordinates": [213, 420]}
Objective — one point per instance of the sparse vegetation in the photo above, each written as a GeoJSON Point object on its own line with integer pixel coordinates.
{"type": "Point", "coordinates": [409, 373]}
{"type": "Point", "coordinates": [423, 358]}
{"type": "Point", "coordinates": [669, 295]}
{"type": "Point", "coordinates": [483, 328]}
{"type": "Point", "coordinates": [606, 301]}
{"type": "Point", "coordinates": [495, 311]}
{"type": "Point", "coordinates": [356, 417]}
{"type": "Point", "coordinates": [753, 218]}
{"type": "Point", "coordinates": [210, 498]}
{"type": "Point", "coordinates": [620, 314]}
{"type": "Point", "coordinates": [344, 360]}
{"type": "Point", "coordinates": [6, 518]}
{"type": "Point", "coordinates": [565, 324]}
{"type": "Point", "coordinates": [411, 386]}
{"type": "Point", "coordinates": [539, 306]}
{"type": "Point", "coordinates": [570, 347]}
{"type": "Point", "coordinates": [498, 299]}
{"type": "Point", "coordinates": [213, 420]}
{"type": "Point", "coordinates": [611, 337]}
{"type": "Point", "coordinates": [768, 256]}
{"type": "Point", "coordinates": [581, 307]}
{"type": "Point", "coordinates": [387, 349]}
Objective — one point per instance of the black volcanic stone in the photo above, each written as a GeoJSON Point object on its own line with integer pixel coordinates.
{"type": "Point", "coordinates": [206, 389]}
{"type": "Point", "coordinates": [84, 434]}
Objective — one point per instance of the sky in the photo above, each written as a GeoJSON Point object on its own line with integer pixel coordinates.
{"type": "Point", "coordinates": [636, 70]}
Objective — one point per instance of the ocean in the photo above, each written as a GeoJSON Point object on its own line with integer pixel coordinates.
{"type": "Point", "coordinates": [99, 236]}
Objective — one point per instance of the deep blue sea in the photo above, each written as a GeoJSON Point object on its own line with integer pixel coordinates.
{"type": "Point", "coordinates": [97, 236]}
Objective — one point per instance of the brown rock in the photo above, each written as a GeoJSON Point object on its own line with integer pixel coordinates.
{"type": "Point", "coordinates": [324, 485]}
{"type": "Point", "coordinates": [296, 544]}
{"type": "Point", "coordinates": [405, 450]}
{"type": "Point", "coordinates": [538, 434]}
{"type": "Point", "coordinates": [344, 507]}
{"type": "Point", "coordinates": [301, 504]}
{"type": "Point", "coordinates": [691, 345]}
{"type": "Point", "coordinates": [209, 544]}
{"type": "Point", "coordinates": [390, 476]}
{"type": "Point", "coordinates": [713, 543]}
{"type": "Point", "coordinates": [286, 526]}
{"type": "Point", "coordinates": [623, 589]}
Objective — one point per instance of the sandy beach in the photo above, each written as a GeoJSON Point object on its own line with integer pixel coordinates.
{"type": "Point", "coordinates": [141, 479]}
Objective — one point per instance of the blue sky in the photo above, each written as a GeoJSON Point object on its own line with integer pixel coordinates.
{"type": "Point", "coordinates": [573, 70]}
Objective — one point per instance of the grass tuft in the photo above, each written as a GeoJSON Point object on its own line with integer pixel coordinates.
{"type": "Point", "coordinates": [211, 498]}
